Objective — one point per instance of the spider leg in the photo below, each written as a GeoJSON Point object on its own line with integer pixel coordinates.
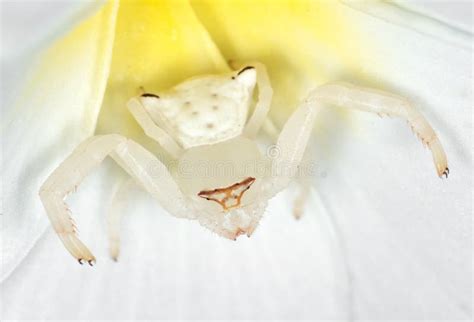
{"type": "Point", "coordinates": [114, 215]}
{"type": "Point", "coordinates": [143, 166]}
{"type": "Point", "coordinates": [303, 181]}
{"type": "Point", "coordinates": [299, 203]}
{"type": "Point", "coordinates": [383, 103]}
{"type": "Point", "coordinates": [262, 107]}
{"type": "Point", "coordinates": [135, 106]}
{"type": "Point", "coordinates": [293, 139]}
{"type": "Point", "coordinates": [287, 153]}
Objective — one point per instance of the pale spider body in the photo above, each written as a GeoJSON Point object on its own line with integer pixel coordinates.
{"type": "Point", "coordinates": [203, 110]}
{"type": "Point", "coordinates": [209, 124]}
{"type": "Point", "coordinates": [206, 116]}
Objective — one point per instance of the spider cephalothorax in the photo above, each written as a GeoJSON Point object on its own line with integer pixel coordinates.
{"type": "Point", "coordinates": [204, 124]}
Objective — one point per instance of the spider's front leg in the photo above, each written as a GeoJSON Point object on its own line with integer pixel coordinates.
{"type": "Point", "coordinates": [384, 103]}
{"type": "Point", "coordinates": [294, 136]}
{"type": "Point", "coordinates": [135, 106]}
{"type": "Point", "coordinates": [290, 147]}
{"type": "Point", "coordinates": [265, 93]}
{"type": "Point", "coordinates": [139, 163]}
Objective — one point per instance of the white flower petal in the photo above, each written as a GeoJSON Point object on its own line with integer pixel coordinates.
{"type": "Point", "coordinates": [409, 15]}
{"type": "Point", "coordinates": [404, 234]}
{"type": "Point", "coordinates": [407, 233]}
{"type": "Point", "coordinates": [176, 269]}
{"type": "Point", "coordinates": [26, 28]}
{"type": "Point", "coordinates": [26, 32]}
{"type": "Point", "coordinates": [57, 109]}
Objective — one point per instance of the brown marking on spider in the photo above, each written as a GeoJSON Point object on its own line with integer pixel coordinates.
{"type": "Point", "coordinates": [232, 192]}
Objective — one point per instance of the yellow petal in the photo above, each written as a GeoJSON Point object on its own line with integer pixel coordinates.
{"type": "Point", "coordinates": [157, 44]}
{"type": "Point", "coordinates": [302, 43]}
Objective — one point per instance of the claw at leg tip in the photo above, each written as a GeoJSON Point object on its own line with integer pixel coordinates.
{"type": "Point", "coordinates": [297, 213]}
{"type": "Point", "coordinates": [445, 173]}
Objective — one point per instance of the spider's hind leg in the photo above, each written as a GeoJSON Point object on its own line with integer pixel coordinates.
{"type": "Point", "coordinates": [299, 203]}
{"type": "Point", "coordinates": [303, 180]}
{"type": "Point", "coordinates": [114, 215]}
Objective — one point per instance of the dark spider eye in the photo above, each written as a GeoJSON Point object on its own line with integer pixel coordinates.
{"type": "Point", "coordinates": [150, 95]}
{"type": "Point", "coordinates": [244, 69]}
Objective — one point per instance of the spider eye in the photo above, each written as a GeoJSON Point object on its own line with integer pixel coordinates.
{"type": "Point", "coordinates": [244, 69]}
{"type": "Point", "coordinates": [149, 95]}
{"type": "Point", "coordinates": [247, 76]}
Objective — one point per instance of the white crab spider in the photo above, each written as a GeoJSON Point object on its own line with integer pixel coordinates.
{"type": "Point", "coordinates": [204, 119]}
